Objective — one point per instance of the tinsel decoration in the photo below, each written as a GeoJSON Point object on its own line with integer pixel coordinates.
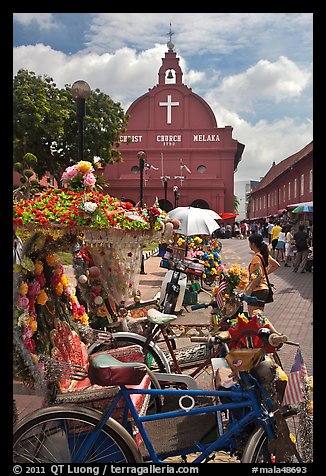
{"type": "Point", "coordinates": [306, 422]}
{"type": "Point", "coordinates": [42, 243]}
{"type": "Point", "coordinates": [25, 368]}
{"type": "Point", "coordinates": [86, 333]}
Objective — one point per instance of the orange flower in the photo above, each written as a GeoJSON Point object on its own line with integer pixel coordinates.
{"type": "Point", "coordinates": [42, 298]}
{"type": "Point", "coordinates": [23, 290]}
{"type": "Point", "coordinates": [59, 289]}
{"type": "Point", "coordinates": [38, 267]}
{"type": "Point", "coordinates": [51, 260]}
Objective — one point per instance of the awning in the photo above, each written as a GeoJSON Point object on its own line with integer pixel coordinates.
{"type": "Point", "coordinates": [226, 216]}
{"type": "Point", "coordinates": [295, 205]}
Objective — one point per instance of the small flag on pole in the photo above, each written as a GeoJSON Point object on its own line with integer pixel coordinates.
{"type": "Point", "coordinates": [185, 167]}
{"type": "Point", "coordinates": [293, 391]}
{"type": "Point", "coordinates": [220, 291]}
{"type": "Point", "coordinates": [150, 166]}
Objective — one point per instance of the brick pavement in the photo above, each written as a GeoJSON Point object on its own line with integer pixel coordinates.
{"type": "Point", "coordinates": [291, 312]}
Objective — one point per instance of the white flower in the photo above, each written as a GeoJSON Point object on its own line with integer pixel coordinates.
{"type": "Point", "coordinates": [90, 207]}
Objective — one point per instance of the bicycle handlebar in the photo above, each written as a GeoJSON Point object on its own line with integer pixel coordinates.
{"type": "Point", "coordinates": [251, 300]}
{"type": "Point", "coordinates": [265, 334]}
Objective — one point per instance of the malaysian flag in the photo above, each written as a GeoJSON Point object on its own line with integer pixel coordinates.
{"type": "Point", "coordinates": [293, 391]}
{"type": "Point", "coordinates": [185, 167]}
{"type": "Point", "coordinates": [220, 293]}
{"type": "Point", "coordinates": [150, 166]}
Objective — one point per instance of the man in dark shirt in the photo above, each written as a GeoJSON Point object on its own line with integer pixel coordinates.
{"type": "Point", "coordinates": [301, 243]}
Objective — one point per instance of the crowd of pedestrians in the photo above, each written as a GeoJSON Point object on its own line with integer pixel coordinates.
{"type": "Point", "coordinates": [289, 244]}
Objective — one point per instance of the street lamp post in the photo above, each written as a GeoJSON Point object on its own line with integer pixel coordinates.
{"type": "Point", "coordinates": [176, 196]}
{"type": "Point", "coordinates": [141, 156]}
{"type": "Point", "coordinates": [80, 92]}
{"type": "Point", "coordinates": [165, 179]}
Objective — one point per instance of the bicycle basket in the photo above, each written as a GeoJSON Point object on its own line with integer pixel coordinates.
{"type": "Point", "coordinates": [244, 359]}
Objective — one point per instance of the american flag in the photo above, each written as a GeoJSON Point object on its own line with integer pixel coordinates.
{"type": "Point", "coordinates": [220, 292]}
{"type": "Point", "coordinates": [293, 391]}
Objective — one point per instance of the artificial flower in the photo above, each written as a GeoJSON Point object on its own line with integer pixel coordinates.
{"type": "Point", "coordinates": [23, 289]}
{"type": "Point", "coordinates": [34, 288]}
{"type": "Point", "coordinates": [42, 298]}
{"type": "Point", "coordinates": [38, 267]}
{"type": "Point", "coordinates": [84, 166]}
{"type": "Point", "coordinates": [32, 324]}
{"type": "Point", "coordinates": [22, 302]}
{"type": "Point", "coordinates": [67, 208]}
{"type": "Point", "coordinates": [90, 207]}
{"type": "Point", "coordinates": [51, 260]}
{"type": "Point", "coordinates": [59, 289]}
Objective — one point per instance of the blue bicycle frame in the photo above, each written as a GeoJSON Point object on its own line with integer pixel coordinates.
{"type": "Point", "coordinates": [257, 411]}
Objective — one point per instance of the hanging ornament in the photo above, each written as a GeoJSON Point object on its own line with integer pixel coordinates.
{"type": "Point", "coordinates": [82, 279]}
{"type": "Point", "coordinates": [94, 272]}
{"type": "Point", "coordinates": [98, 300]}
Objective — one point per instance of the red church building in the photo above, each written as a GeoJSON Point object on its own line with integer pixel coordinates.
{"type": "Point", "coordinates": [189, 160]}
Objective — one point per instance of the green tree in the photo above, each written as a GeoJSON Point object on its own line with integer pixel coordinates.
{"type": "Point", "coordinates": [45, 124]}
{"type": "Point", "coordinates": [236, 203]}
{"type": "Point", "coordinates": [26, 168]}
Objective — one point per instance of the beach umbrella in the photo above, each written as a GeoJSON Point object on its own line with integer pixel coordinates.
{"type": "Point", "coordinates": [303, 209]}
{"type": "Point", "coordinates": [194, 221]}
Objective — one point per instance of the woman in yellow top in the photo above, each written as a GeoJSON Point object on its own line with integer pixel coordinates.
{"type": "Point", "coordinates": [257, 279]}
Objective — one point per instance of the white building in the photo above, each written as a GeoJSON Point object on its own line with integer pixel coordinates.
{"type": "Point", "coordinates": [241, 190]}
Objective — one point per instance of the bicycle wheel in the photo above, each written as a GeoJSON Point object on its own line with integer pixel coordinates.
{"type": "Point", "coordinates": [257, 451]}
{"type": "Point", "coordinates": [55, 435]}
{"type": "Point", "coordinates": [153, 359]}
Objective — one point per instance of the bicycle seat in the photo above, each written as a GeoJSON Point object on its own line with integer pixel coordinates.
{"type": "Point", "coordinates": [157, 317]}
{"type": "Point", "coordinates": [105, 370]}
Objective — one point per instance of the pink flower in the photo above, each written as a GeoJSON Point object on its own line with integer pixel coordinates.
{"type": "Point", "coordinates": [89, 180]}
{"type": "Point", "coordinates": [34, 288]}
{"type": "Point", "coordinates": [41, 280]}
{"type": "Point", "coordinates": [69, 173]}
{"type": "Point", "coordinates": [22, 302]}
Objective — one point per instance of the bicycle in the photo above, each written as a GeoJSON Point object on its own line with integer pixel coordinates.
{"type": "Point", "coordinates": [171, 363]}
{"type": "Point", "coordinates": [256, 430]}
{"type": "Point", "coordinates": [175, 291]}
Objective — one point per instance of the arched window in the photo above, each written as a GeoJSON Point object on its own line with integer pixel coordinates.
{"type": "Point", "coordinates": [165, 205]}
{"type": "Point", "coordinates": [199, 204]}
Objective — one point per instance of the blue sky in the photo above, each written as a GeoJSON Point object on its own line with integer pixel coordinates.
{"type": "Point", "coordinates": [253, 69]}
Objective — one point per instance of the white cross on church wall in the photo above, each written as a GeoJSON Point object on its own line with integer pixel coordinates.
{"type": "Point", "coordinates": [169, 105]}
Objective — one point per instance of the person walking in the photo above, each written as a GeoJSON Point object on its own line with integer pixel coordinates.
{"type": "Point", "coordinates": [275, 232]}
{"type": "Point", "coordinates": [289, 243]}
{"type": "Point", "coordinates": [269, 231]}
{"type": "Point", "coordinates": [280, 246]}
{"type": "Point", "coordinates": [301, 243]}
{"type": "Point", "coordinates": [228, 231]}
{"type": "Point", "coordinates": [262, 264]}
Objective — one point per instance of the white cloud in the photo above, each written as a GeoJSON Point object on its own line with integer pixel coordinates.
{"type": "Point", "coordinates": [279, 81]}
{"type": "Point", "coordinates": [264, 141]}
{"type": "Point", "coordinates": [44, 21]}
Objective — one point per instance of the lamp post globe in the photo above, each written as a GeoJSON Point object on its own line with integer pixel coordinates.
{"type": "Point", "coordinates": [80, 91]}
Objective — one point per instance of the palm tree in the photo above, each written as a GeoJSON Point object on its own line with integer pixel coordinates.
{"type": "Point", "coordinates": [236, 203]}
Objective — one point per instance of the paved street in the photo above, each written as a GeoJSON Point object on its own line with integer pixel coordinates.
{"type": "Point", "coordinates": [291, 312]}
